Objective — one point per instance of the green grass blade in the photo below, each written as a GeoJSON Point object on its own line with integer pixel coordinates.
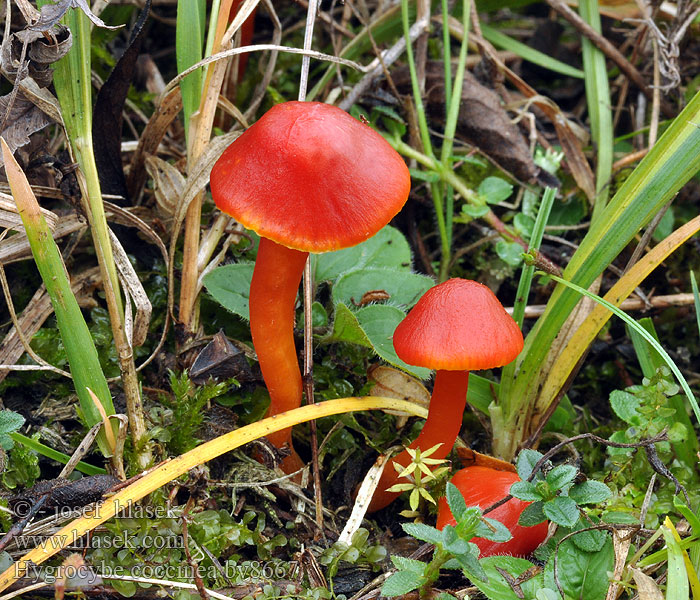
{"type": "Point", "coordinates": [599, 105]}
{"type": "Point", "coordinates": [696, 297]}
{"type": "Point", "coordinates": [80, 348]}
{"type": "Point", "coordinates": [505, 42]}
{"type": "Point", "coordinates": [651, 340]}
{"type": "Point", "coordinates": [670, 164]}
{"type": "Point", "coordinates": [189, 39]}
{"type": "Point", "coordinates": [523, 293]}
{"type": "Point", "coordinates": [72, 80]}
{"type": "Point", "coordinates": [49, 452]}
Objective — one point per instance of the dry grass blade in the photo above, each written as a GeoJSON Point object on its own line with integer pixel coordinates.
{"type": "Point", "coordinates": [257, 48]}
{"type": "Point", "coordinates": [136, 326]}
{"type": "Point", "coordinates": [166, 112]}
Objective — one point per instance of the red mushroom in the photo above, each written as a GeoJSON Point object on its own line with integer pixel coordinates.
{"type": "Point", "coordinates": [456, 327]}
{"type": "Point", "coordinates": [307, 177]}
{"type": "Point", "coordinates": [482, 487]}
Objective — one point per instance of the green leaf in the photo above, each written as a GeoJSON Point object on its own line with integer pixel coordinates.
{"type": "Point", "coordinates": [455, 501]}
{"type": "Point", "coordinates": [10, 422]}
{"type": "Point", "coordinates": [403, 287]}
{"type": "Point", "coordinates": [401, 583]}
{"type": "Point", "coordinates": [590, 541]}
{"type": "Point", "coordinates": [423, 532]}
{"type": "Point", "coordinates": [475, 211]}
{"type": "Point", "coordinates": [562, 510]}
{"type": "Point", "coordinates": [409, 564]}
{"type": "Point", "coordinates": [509, 252]}
{"type": "Point", "coordinates": [561, 476]}
{"type": "Point", "coordinates": [525, 490]}
{"type": "Point", "coordinates": [495, 190]}
{"type": "Point", "coordinates": [454, 544]}
{"type": "Point", "coordinates": [230, 286]}
{"type": "Point", "coordinates": [471, 566]}
{"type": "Point", "coordinates": [388, 248]}
{"type": "Point", "coordinates": [497, 532]}
{"type": "Point", "coordinates": [533, 514]}
{"type": "Point", "coordinates": [625, 406]}
{"type": "Point", "coordinates": [497, 588]}
{"type": "Point", "coordinates": [524, 224]}
{"type": "Point", "coordinates": [527, 459]}
{"type": "Point", "coordinates": [590, 492]}
{"type": "Point", "coordinates": [372, 326]}
{"type": "Point", "coordinates": [581, 574]}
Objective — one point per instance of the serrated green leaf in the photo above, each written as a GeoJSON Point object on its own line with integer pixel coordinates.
{"type": "Point", "coordinates": [423, 532]}
{"type": "Point", "coordinates": [626, 406]}
{"type": "Point", "coordinates": [409, 564]}
{"type": "Point", "coordinates": [10, 421]}
{"type": "Point", "coordinates": [373, 326]}
{"type": "Point", "coordinates": [527, 459]}
{"type": "Point", "coordinates": [497, 532]}
{"type": "Point", "coordinates": [401, 583]}
{"type": "Point", "coordinates": [525, 490]}
{"type": "Point", "coordinates": [403, 287]}
{"type": "Point", "coordinates": [560, 476]}
{"type": "Point", "coordinates": [455, 501]}
{"type": "Point", "coordinates": [230, 286]}
{"type": "Point", "coordinates": [532, 515]}
{"type": "Point", "coordinates": [471, 566]}
{"type": "Point", "coordinates": [388, 248]}
{"type": "Point", "coordinates": [590, 541]}
{"type": "Point", "coordinates": [581, 574]}
{"type": "Point", "coordinates": [590, 492]}
{"type": "Point", "coordinates": [496, 587]}
{"type": "Point", "coordinates": [562, 510]}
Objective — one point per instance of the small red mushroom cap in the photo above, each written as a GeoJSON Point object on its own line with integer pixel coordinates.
{"type": "Point", "coordinates": [311, 177]}
{"type": "Point", "coordinates": [458, 325]}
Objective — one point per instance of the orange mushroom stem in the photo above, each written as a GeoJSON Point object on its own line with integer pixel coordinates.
{"type": "Point", "coordinates": [442, 426]}
{"type": "Point", "coordinates": [273, 292]}
{"type": "Point", "coordinates": [457, 326]}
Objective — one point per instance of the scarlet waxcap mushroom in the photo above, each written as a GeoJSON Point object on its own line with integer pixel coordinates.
{"type": "Point", "coordinates": [307, 177]}
{"type": "Point", "coordinates": [456, 326]}
{"type": "Point", "coordinates": [311, 177]}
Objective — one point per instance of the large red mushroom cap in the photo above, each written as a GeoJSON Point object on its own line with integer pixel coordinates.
{"type": "Point", "coordinates": [458, 325]}
{"type": "Point", "coordinates": [311, 177]}
{"type": "Point", "coordinates": [482, 487]}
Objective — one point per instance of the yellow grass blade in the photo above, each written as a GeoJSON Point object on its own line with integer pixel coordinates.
{"type": "Point", "coordinates": [180, 465]}
{"type": "Point", "coordinates": [585, 334]}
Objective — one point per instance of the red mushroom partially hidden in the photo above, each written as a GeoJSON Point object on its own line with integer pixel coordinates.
{"type": "Point", "coordinates": [482, 487]}
{"type": "Point", "coordinates": [306, 177]}
{"type": "Point", "coordinates": [456, 327]}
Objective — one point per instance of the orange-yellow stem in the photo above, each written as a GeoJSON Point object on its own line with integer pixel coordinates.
{"type": "Point", "coordinates": [442, 426]}
{"type": "Point", "coordinates": [273, 292]}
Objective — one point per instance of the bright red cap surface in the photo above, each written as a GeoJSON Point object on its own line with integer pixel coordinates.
{"type": "Point", "coordinates": [458, 325]}
{"type": "Point", "coordinates": [311, 177]}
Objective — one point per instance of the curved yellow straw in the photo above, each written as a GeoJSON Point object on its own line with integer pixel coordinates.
{"type": "Point", "coordinates": [171, 469]}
